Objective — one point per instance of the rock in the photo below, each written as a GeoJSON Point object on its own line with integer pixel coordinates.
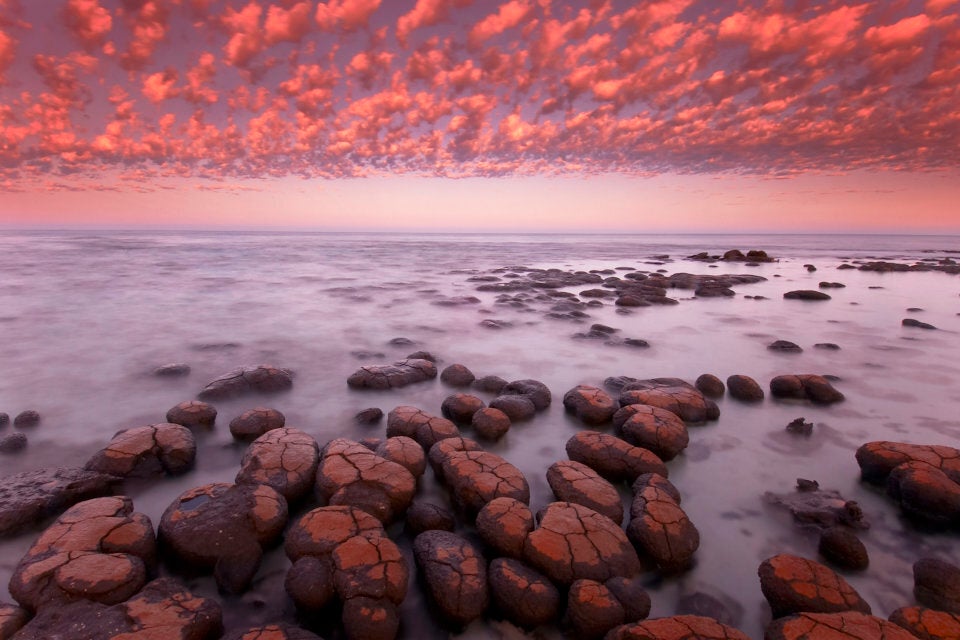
{"type": "Point", "coordinates": [12, 619]}
{"type": "Point", "coordinates": [26, 419]}
{"type": "Point", "coordinates": [925, 493]}
{"type": "Point", "coordinates": [525, 597]}
{"type": "Point", "coordinates": [404, 451]}
{"type": "Point", "coordinates": [272, 632]}
{"type": "Point", "coordinates": [831, 285]}
{"type": "Point", "coordinates": [193, 414]}
{"type": "Point", "coordinates": [829, 346]}
{"type": "Point", "coordinates": [309, 583]}
{"type": "Point", "coordinates": [391, 376]}
{"type": "Point", "coordinates": [252, 424]}
{"type": "Point", "coordinates": [99, 550]}
{"type": "Point", "coordinates": [660, 529]}
{"type": "Point", "coordinates": [438, 453]}
{"type": "Point", "coordinates": [710, 385]}
{"type": "Point", "coordinates": [517, 408]}
{"type": "Point", "coordinates": [426, 516]}
{"type": "Point", "coordinates": [320, 531]}
{"type": "Point", "coordinates": [457, 375]}
{"type": "Point", "coordinates": [806, 294]}
{"type": "Point", "coordinates": [143, 452]}
{"type": "Point", "coordinates": [677, 628]}
{"type": "Point", "coordinates": [846, 625]}
{"type": "Point", "coordinates": [351, 474]}
{"type": "Point", "coordinates": [936, 584]}
{"type": "Point", "coordinates": [843, 548]}
{"type": "Point", "coordinates": [172, 370]}
{"type": "Point", "coordinates": [911, 322]}
{"type": "Point", "coordinates": [576, 482]}
{"type": "Point", "coordinates": [805, 386]}
{"type": "Point", "coordinates": [477, 477]}
{"type": "Point", "coordinates": [809, 267]}
{"type": "Point", "coordinates": [4, 419]}
{"type": "Point", "coordinates": [372, 415]}
{"type": "Point", "coordinates": [284, 459]}
{"type": "Point", "coordinates": [927, 624]}
{"type": "Point", "coordinates": [659, 430]}
{"type": "Point", "coordinates": [13, 442]}
{"type": "Point", "coordinates": [423, 427]}
{"type": "Point", "coordinates": [631, 595]}
{"type": "Point", "coordinates": [503, 524]}
{"type": "Point", "coordinates": [422, 355]}
{"type": "Point", "coordinates": [490, 384]}
{"type": "Point", "coordinates": [455, 574]}
{"type": "Point", "coordinates": [370, 619]}
{"type": "Point", "coordinates": [720, 607]}
{"type": "Point", "coordinates": [246, 380]}
{"type": "Point", "coordinates": [223, 527]}
{"type": "Point", "coordinates": [820, 508]}
{"type": "Point", "coordinates": [574, 542]}
{"type": "Point", "coordinates": [744, 388]}
{"type": "Point", "coordinates": [536, 391]}
{"type": "Point", "coordinates": [591, 405]}
{"type": "Point", "coordinates": [163, 609]}
{"type": "Point", "coordinates": [800, 427]}
{"type": "Point", "coordinates": [460, 407]}
{"type": "Point", "coordinates": [784, 346]}
{"type": "Point", "coordinates": [490, 423]}
{"type": "Point", "coordinates": [877, 459]}
{"type": "Point", "coordinates": [28, 497]}
{"type": "Point", "coordinates": [370, 566]}
{"type": "Point", "coordinates": [613, 458]}
{"type": "Point", "coordinates": [792, 585]}
{"type": "Point", "coordinates": [658, 481]}
{"type": "Point", "coordinates": [592, 609]}
{"type": "Point", "coordinates": [673, 395]}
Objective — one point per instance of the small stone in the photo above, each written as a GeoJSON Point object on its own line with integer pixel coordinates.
{"type": "Point", "coordinates": [843, 548]}
{"type": "Point", "coordinates": [26, 419]}
{"type": "Point", "coordinates": [806, 294]}
{"type": "Point", "coordinates": [828, 346]}
{"type": "Point", "coordinates": [911, 322]}
{"type": "Point", "coordinates": [800, 427]}
{"type": "Point", "coordinates": [784, 346]}
{"type": "Point", "coordinates": [744, 388]}
{"type": "Point", "coordinates": [457, 375]}
{"type": "Point", "coordinates": [517, 408]}
{"type": "Point", "coordinates": [372, 415]}
{"type": "Point", "coordinates": [245, 380]}
{"type": "Point", "coordinates": [193, 414]}
{"type": "Point", "coordinates": [4, 419]}
{"type": "Point", "coordinates": [710, 385]}
{"type": "Point", "coordinates": [591, 405]}
{"type": "Point", "coordinates": [172, 370]}
{"type": "Point", "coordinates": [937, 584]}
{"type": "Point", "coordinates": [460, 407]}
{"type": "Point", "coordinates": [490, 423]}
{"type": "Point", "coordinates": [576, 482]}
{"type": "Point", "coordinates": [252, 424]}
{"type": "Point", "coordinates": [13, 442]}
{"type": "Point", "coordinates": [455, 573]}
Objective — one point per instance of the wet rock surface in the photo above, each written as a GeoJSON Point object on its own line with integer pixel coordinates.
{"type": "Point", "coordinates": [252, 424]}
{"type": "Point", "coordinates": [284, 459]}
{"type": "Point", "coordinates": [659, 528]}
{"type": "Point", "coordinates": [455, 574]}
{"type": "Point", "coordinates": [613, 458]}
{"type": "Point", "coordinates": [673, 395]}
{"type": "Point", "coordinates": [391, 376]}
{"type": "Point", "coordinates": [517, 408]}
{"type": "Point", "coordinates": [576, 482]}
{"type": "Point", "coordinates": [792, 584]}
{"type": "Point", "coordinates": [658, 430]}
{"type": "Point", "coordinates": [503, 524]}
{"type": "Point", "coordinates": [12, 619]}
{"type": "Point", "coordinates": [591, 405]}
{"type": "Point", "coordinates": [242, 381]}
{"type": "Point", "coordinates": [142, 452]}
{"type": "Point", "coordinates": [805, 387]}
{"type": "Point", "coordinates": [936, 584]}
{"type": "Point", "coordinates": [677, 628]}
{"type": "Point", "coordinates": [29, 497]}
{"type": "Point", "coordinates": [522, 596]}
{"type": "Point", "coordinates": [13, 442]}
{"type": "Point", "coordinates": [822, 508]}
{"type": "Point", "coordinates": [425, 428]}
{"type": "Point", "coordinates": [842, 548]}
{"type": "Point", "coordinates": [534, 390]}
{"type": "Point", "coordinates": [927, 624]}
{"type": "Point", "coordinates": [849, 625]}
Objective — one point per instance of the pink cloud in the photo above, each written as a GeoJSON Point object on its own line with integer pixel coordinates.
{"type": "Point", "coordinates": [424, 14]}
{"type": "Point", "coordinates": [246, 35]}
{"type": "Point", "coordinates": [161, 86]}
{"type": "Point", "coordinates": [903, 33]}
{"type": "Point", "coordinates": [287, 25]}
{"type": "Point", "coordinates": [198, 88]}
{"type": "Point", "coordinates": [348, 15]}
{"type": "Point", "coordinates": [8, 47]}
{"type": "Point", "coordinates": [89, 22]}
{"type": "Point", "coordinates": [509, 15]}
{"type": "Point", "coordinates": [149, 29]}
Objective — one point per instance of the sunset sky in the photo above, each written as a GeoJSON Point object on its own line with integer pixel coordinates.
{"type": "Point", "coordinates": [678, 115]}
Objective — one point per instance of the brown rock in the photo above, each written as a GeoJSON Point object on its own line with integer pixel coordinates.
{"type": "Point", "coordinates": [843, 548]}
{"type": "Point", "coordinates": [503, 524]}
{"type": "Point", "coordinates": [613, 458]}
{"type": "Point", "coordinates": [744, 388]}
{"type": "Point", "coordinates": [457, 375]}
{"type": "Point", "coordinates": [426, 516]}
{"type": "Point", "coordinates": [13, 442]}
{"type": "Point", "coordinates": [677, 628]}
{"type": "Point", "coordinates": [12, 618]}
{"type": "Point", "coordinates": [877, 459]}
{"type": "Point", "coordinates": [28, 497]}
{"type": "Point", "coordinates": [272, 632]}
{"type": "Point", "coordinates": [490, 384]}
{"type": "Point", "coordinates": [936, 584]}
{"type": "Point", "coordinates": [318, 532]}
{"type": "Point", "coordinates": [193, 414]}
{"type": "Point", "coordinates": [525, 597]}
{"type": "Point", "coordinates": [460, 407]}
{"type": "Point", "coordinates": [574, 542]}
{"type": "Point", "coordinates": [592, 609]}
{"type": "Point", "coordinates": [245, 380]}
{"type": "Point", "coordinates": [423, 427]}
{"type": "Point", "coordinates": [370, 566]}
{"type": "Point", "coordinates": [370, 619]}
{"type": "Point", "coordinates": [631, 595]}
{"type": "Point", "coordinates": [710, 385]}
{"type": "Point", "coordinates": [477, 477]}
{"type": "Point", "coordinates": [806, 294]}
{"type": "Point", "coordinates": [252, 424]}
{"type": "Point", "coordinates": [309, 583]}
{"type": "Point", "coordinates": [142, 452]}
{"type": "Point", "coordinates": [391, 376]}
{"type": "Point", "coordinates": [591, 405]}
{"type": "Point", "coordinates": [517, 408]}
{"type": "Point", "coordinates": [285, 459]}
{"type": "Point", "coordinates": [536, 391]}
{"type": "Point", "coordinates": [406, 452]}
{"type": "Point", "coordinates": [805, 386]}
{"type": "Point", "coordinates": [438, 453]}
{"type": "Point", "coordinates": [846, 625]}
{"type": "Point", "coordinates": [371, 415]}
{"type": "Point", "coordinates": [576, 482]}
{"type": "Point", "coordinates": [925, 493]}
{"type": "Point", "coordinates": [490, 423]}
{"type": "Point", "coordinates": [792, 585]}
{"type": "Point", "coordinates": [455, 573]}
{"type": "Point", "coordinates": [656, 429]}
{"type": "Point", "coordinates": [673, 395]}
{"type": "Point", "coordinates": [660, 529]}
{"type": "Point", "coordinates": [927, 624]}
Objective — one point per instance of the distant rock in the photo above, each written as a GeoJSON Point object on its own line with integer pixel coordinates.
{"type": "Point", "coordinates": [29, 497]}
{"type": "Point", "coordinates": [806, 294]}
{"type": "Point", "coordinates": [710, 385]}
{"type": "Point", "coordinates": [911, 322]}
{"type": "Point", "coordinates": [805, 386]}
{"type": "Point", "coordinates": [13, 442]}
{"type": "Point", "coordinates": [744, 388]}
{"type": "Point", "coordinates": [457, 375]}
{"type": "Point", "coordinates": [172, 370]}
{"type": "Point", "coordinates": [784, 346]}
{"type": "Point", "coordinates": [245, 380]}
{"type": "Point", "coordinates": [193, 414]}
{"type": "Point", "coordinates": [388, 376]}
{"type": "Point", "coordinates": [26, 419]}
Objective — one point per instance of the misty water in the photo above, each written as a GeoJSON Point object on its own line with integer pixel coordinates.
{"type": "Point", "coordinates": [86, 317]}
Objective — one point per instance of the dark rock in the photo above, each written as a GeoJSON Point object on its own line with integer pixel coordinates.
{"type": "Point", "coordinates": [423, 427]}
{"type": "Point", "coordinates": [309, 583]}
{"type": "Point", "coordinates": [925, 493]}
{"type": "Point", "coordinates": [807, 485]}
{"type": "Point", "coordinates": [784, 346]}
{"type": "Point", "coordinates": [12, 619]}
{"type": "Point", "coordinates": [172, 370]}
{"type": "Point", "coordinates": [574, 542]}
{"type": "Point", "coordinates": [371, 415]}
{"type": "Point", "coordinates": [4, 419]}
{"type": "Point", "coordinates": [671, 394]}
{"type": "Point", "coordinates": [910, 322]}
{"type": "Point", "coordinates": [460, 407]}
{"type": "Point", "coordinates": [536, 391]}
{"type": "Point", "coordinates": [370, 619]}
{"type": "Point", "coordinates": [820, 508]}
{"type": "Point", "coordinates": [793, 585]}
{"type": "Point", "coordinates": [503, 524]}
{"type": "Point", "coordinates": [660, 529]}
{"type": "Point", "coordinates": [591, 405]}
{"type": "Point", "coordinates": [422, 355]}
{"type": "Point", "coordinates": [439, 452]}
{"type": "Point", "coordinates": [576, 482]}
{"type": "Point", "coordinates": [477, 477]}
{"type": "Point", "coordinates": [244, 380]}
{"type": "Point", "coordinates": [524, 596]}
{"type": "Point", "coordinates": [613, 458]}
{"type": "Point", "coordinates": [401, 342]}
{"type": "Point", "coordinates": [832, 285]}
{"type": "Point", "coordinates": [142, 452]}
{"type": "Point", "coordinates": [592, 609]}
{"type": "Point", "coordinates": [272, 632]}
{"type": "Point", "coordinates": [810, 268]}
{"type": "Point", "coordinates": [370, 566]}
{"type": "Point", "coordinates": [805, 386]}
{"type": "Point", "coordinates": [631, 595]}
{"type": "Point", "coordinates": [254, 423]}
{"type": "Point", "coordinates": [845, 625]}
{"type": "Point", "coordinates": [284, 459]}
{"type": "Point", "coordinates": [744, 388]}
{"type": "Point", "coordinates": [720, 607]}
{"type": "Point", "coordinates": [28, 497]}
{"type": "Point", "coordinates": [223, 527]}
{"type": "Point", "coordinates": [710, 385]}
{"type": "Point", "coordinates": [426, 516]}
{"type": "Point", "coordinates": [26, 419]}
{"type": "Point", "coordinates": [490, 384]}
{"type": "Point", "coordinates": [843, 548]}
{"type": "Point", "coordinates": [800, 427]}
{"type": "Point", "coordinates": [13, 442]}
{"type": "Point", "coordinates": [457, 375]}
{"type": "Point", "coordinates": [806, 294]}
{"type": "Point", "coordinates": [677, 628]}
{"type": "Point", "coordinates": [927, 624]}
{"type": "Point", "coordinates": [455, 574]}
{"type": "Point", "coordinates": [320, 531]}
{"type": "Point", "coordinates": [406, 452]}
{"type": "Point", "coordinates": [517, 408]}
{"type": "Point", "coordinates": [490, 423]}
{"type": "Point", "coordinates": [829, 346]}
{"type": "Point", "coordinates": [877, 459]}
{"type": "Point", "coordinates": [653, 428]}
{"type": "Point", "coordinates": [636, 342]}
{"type": "Point", "coordinates": [193, 414]}
{"type": "Point", "coordinates": [389, 376]}
{"type": "Point", "coordinates": [98, 550]}
{"type": "Point", "coordinates": [936, 584]}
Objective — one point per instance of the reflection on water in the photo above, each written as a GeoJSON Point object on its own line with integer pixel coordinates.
{"type": "Point", "coordinates": [86, 317]}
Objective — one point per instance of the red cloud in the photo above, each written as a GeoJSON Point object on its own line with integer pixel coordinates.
{"type": "Point", "coordinates": [424, 14]}
{"type": "Point", "coordinates": [149, 26]}
{"type": "Point", "coordinates": [8, 48]}
{"type": "Point", "coordinates": [508, 16]}
{"type": "Point", "coordinates": [246, 36]}
{"type": "Point", "coordinates": [348, 15]}
{"type": "Point", "coordinates": [161, 86]}
{"type": "Point", "coordinates": [88, 22]}
{"type": "Point", "coordinates": [287, 25]}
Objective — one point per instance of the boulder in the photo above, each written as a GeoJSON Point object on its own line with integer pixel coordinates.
{"type": "Point", "coordinates": [925, 493]}
{"type": "Point", "coordinates": [677, 628]}
{"type": "Point", "coordinates": [285, 459]}
{"type": "Point", "coordinates": [710, 385]}
{"type": "Point", "coordinates": [457, 375]}
{"type": "Point", "coordinates": [423, 427]}
{"type": "Point", "coordinates": [656, 429]}
{"type": "Point", "coordinates": [660, 529]}
{"type": "Point", "coordinates": [247, 380]}
{"type": "Point", "coordinates": [805, 386]}
{"type": "Point", "coordinates": [846, 625]}
{"type": "Point", "coordinates": [223, 527]}
{"type": "Point", "coordinates": [574, 542]}
{"type": "Point", "coordinates": [843, 548]}
{"type": "Point", "coordinates": [793, 585]}
{"type": "Point", "coordinates": [503, 524]}
{"type": "Point", "coordinates": [536, 391]}
{"type": "Point", "coordinates": [477, 477]}
{"type": "Point", "coordinates": [656, 480]}
{"type": "Point", "coordinates": [784, 346]}
{"type": "Point", "coordinates": [615, 459]}
{"type": "Point", "coordinates": [673, 395]}
{"type": "Point", "coordinates": [806, 294]}
{"type": "Point", "coordinates": [591, 405]}
{"type": "Point", "coordinates": [370, 415]}
{"type": "Point", "coordinates": [490, 423]}
{"type": "Point", "coordinates": [877, 459]}
{"type": "Point", "coordinates": [99, 550]}
{"type": "Point", "coordinates": [392, 376]}
{"type": "Point", "coordinates": [406, 452]}
{"type": "Point", "coordinates": [12, 619]}
{"type": "Point", "coordinates": [460, 407]}
{"type": "Point", "coordinates": [936, 584]}
{"type": "Point", "coordinates": [26, 419]}
{"type": "Point", "coordinates": [252, 424]}
{"type": "Point", "coordinates": [490, 384]}
{"type": "Point", "coordinates": [455, 574]}
{"type": "Point", "coordinates": [13, 442]}
{"type": "Point", "coordinates": [573, 481]}
{"type": "Point", "coordinates": [272, 632]}
{"type": "Point", "coordinates": [631, 595]}
{"type": "Point", "coordinates": [426, 516]}
{"type": "Point", "coordinates": [28, 497]}
{"type": "Point", "coordinates": [351, 474]}
{"type": "Point", "coordinates": [142, 452]}
{"type": "Point", "coordinates": [525, 597]}
{"type": "Point", "coordinates": [438, 453]}
{"type": "Point", "coordinates": [592, 609]}
{"type": "Point", "coordinates": [927, 624]}
{"type": "Point", "coordinates": [193, 414]}
{"type": "Point", "coordinates": [517, 408]}
{"type": "Point", "coordinates": [744, 388]}
{"type": "Point", "coordinates": [370, 566]}
{"type": "Point", "coordinates": [319, 531]}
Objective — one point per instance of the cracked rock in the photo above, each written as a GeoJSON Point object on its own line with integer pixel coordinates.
{"type": "Point", "coordinates": [391, 376]}
{"type": "Point", "coordinates": [525, 597]}
{"type": "Point", "coordinates": [425, 428]}
{"type": "Point", "coordinates": [805, 386]}
{"type": "Point", "coordinates": [261, 378]}
{"type": "Point", "coordinates": [142, 452]}
{"type": "Point", "coordinates": [677, 628]}
{"type": "Point", "coordinates": [573, 481]}
{"type": "Point", "coordinates": [653, 428]}
{"type": "Point", "coordinates": [284, 459]}
{"type": "Point", "coordinates": [848, 625]}
{"type": "Point", "coordinates": [673, 395]}
{"type": "Point", "coordinates": [455, 573]}
{"type": "Point", "coordinates": [659, 528]}
{"type": "Point", "coordinates": [591, 405]}
{"type": "Point", "coordinates": [613, 458]}
{"type": "Point", "coordinates": [792, 585]}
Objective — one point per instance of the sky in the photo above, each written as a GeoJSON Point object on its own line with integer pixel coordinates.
{"type": "Point", "coordinates": [526, 115]}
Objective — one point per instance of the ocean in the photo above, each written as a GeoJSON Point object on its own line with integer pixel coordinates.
{"type": "Point", "coordinates": [86, 316]}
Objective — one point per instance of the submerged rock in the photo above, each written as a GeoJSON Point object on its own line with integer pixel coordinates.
{"type": "Point", "coordinates": [425, 428]}
{"type": "Point", "coordinates": [28, 497]}
{"type": "Point", "coordinates": [455, 573]}
{"type": "Point", "coordinates": [925, 493]}
{"type": "Point", "coordinates": [245, 380]}
{"type": "Point", "coordinates": [592, 609]}
{"type": "Point", "coordinates": [805, 386]}
{"type": "Point", "coordinates": [388, 376]}
{"type": "Point", "coordinates": [13, 442]}
{"type": "Point", "coordinates": [142, 452]}
{"type": "Point", "coordinates": [710, 385]}
{"type": "Point", "coordinates": [806, 294]}
{"type": "Point", "coordinates": [917, 324]}
{"type": "Point", "coordinates": [26, 419]}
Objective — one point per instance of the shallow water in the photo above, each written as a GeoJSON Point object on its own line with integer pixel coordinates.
{"type": "Point", "coordinates": [85, 317]}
